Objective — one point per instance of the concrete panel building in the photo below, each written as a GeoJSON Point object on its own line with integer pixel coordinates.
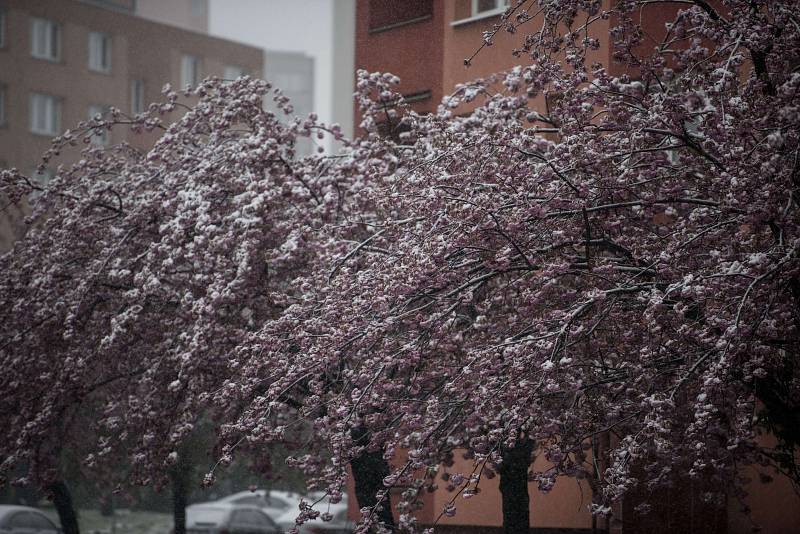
{"type": "Point", "coordinates": [62, 61]}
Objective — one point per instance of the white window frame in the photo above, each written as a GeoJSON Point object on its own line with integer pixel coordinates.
{"type": "Point", "coordinates": [475, 14]}
{"type": "Point", "coordinates": [499, 7]}
{"type": "Point", "coordinates": [231, 72]}
{"type": "Point", "coordinates": [3, 102]}
{"type": "Point", "coordinates": [104, 138]}
{"type": "Point", "coordinates": [45, 39]}
{"type": "Point", "coordinates": [3, 18]}
{"type": "Point", "coordinates": [691, 127]}
{"type": "Point", "coordinates": [44, 120]}
{"type": "Point", "coordinates": [100, 52]}
{"type": "Point", "coordinates": [137, 96]}
{"type": "Point", "coordinates": [190, 71]}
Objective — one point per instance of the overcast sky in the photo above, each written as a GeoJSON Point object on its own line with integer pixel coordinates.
{"type": "Point", "coordinates": [308, 26]}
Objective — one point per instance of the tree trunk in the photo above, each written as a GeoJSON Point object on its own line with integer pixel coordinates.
{"type": "Point", "coordinates": [369, 470]}
{"type": "Point", "coordinates": [62, 500]}
{"type": "Point", "coordinates": [514, 487]}
{"type": "Point", "coordinates": [107, 505]}
{"type": "Point", "coordinates": [180, 484]}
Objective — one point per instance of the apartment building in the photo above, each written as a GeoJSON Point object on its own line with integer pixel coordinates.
{"type": "Point", "coordinates": [425, 43]}
{"type": "Point", "coordinates": [62, 61]}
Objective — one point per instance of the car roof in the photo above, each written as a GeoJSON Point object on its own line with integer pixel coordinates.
{"type": "Point", "coordinates": [224, 506]}
{"type": "Point", "coordinates": [220, 505]}
{"type": "Point", "coordinates": [6, 509]}
{"type": "Point", "coordinates": [262, 493]}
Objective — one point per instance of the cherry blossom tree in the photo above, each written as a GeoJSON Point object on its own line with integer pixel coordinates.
{"type": "Point", "coordinates": [598, 263]}
{"type": "Point", "coordinates": [143, 272]}
{"type": "Point", "coordinates": [630, 277]}
{"type": "Point", "coordinates": [634, 277]}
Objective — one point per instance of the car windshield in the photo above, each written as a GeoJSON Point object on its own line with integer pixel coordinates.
{"type": "Point", "coordinates": [205, 516]}
{"type": "Point", "coordinates": [254, 500]}
{"type": "Point", "coordinates": [275, 502]}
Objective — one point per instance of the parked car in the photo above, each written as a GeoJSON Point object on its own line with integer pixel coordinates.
{"type": "Point", "coordinates": [340, 524]}
{"type": "Point", "coordinates": [25, 520]}
{"type": "Point", "coordinates": [228, 518]}
{"type": "Point", "coordinates": [273, 503]}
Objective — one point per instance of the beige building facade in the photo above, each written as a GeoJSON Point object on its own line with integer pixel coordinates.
{"type": "Point", "coordinates": [62, 61]}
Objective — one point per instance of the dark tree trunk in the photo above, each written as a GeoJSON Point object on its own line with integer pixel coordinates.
{"type": "Point", "coordinates": [180, 485]}
{"type": "Point", "coordinates": [514, 487]}
{"type": "Point", "coordinates": [107, 505]}
{"type": "Point", "coordinates": [369, 470]}
{"type": "Point", "coordinates": [62, 500]}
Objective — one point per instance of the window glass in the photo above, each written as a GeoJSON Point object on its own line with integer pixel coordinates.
{"type": "Point", "coordinates": [99, 138]}
{"type": "Point", "coordinates": [276, 502]}
{"type": "Point", "coordinates": [99, 52]}
{"type": "Point", "coordinates": [232, 72]}
{"type": "Point", "coordinates": [383, 13]}
{"type": "Point", "coordinates": [261, 519]}
{"type": "Point", "coordinates": [205, 516]}
{"type": "Point", "coordinates": [253, 500]}
{"type": "Point", "coordinates": [137, 96]}
{"type": "Point", "coordinates": [237, 518]}
{"type": "Point", "coordinates": [40, 522]}
{"type": "Point", "coordinates": [42, 177]}
{"type": "Point", "coordinates": [486, 5]}
{"type": "Point", "coordinates": [2, 28]}
{"type": "Point", "coordinates": [3, 92]}
{"type": "Point", "coordinates": [45, 39]}
{"type": "Point", "coordinates": [20, 520]}
{"type": "Point", "coordinates": [44, 114]}
{"type": "Point", "coordinates": [190, 71]}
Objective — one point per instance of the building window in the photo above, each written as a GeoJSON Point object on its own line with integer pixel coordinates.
{"type": "Point", "coordinates": [2, 28]}
{"type": "Point", "coordinates": [41, 179]}
{"type": "Point", "coordinates": [99, 52]}
{"type": "Point", "coordinates": [388, 14]}
{"type": "Point", "coordinates": [44, 176]}
{"type": "Point", "coordinates": [137, 96]}
{"type": "Point", "coordinates": [45, 39]}
{"type": "Point", "coordinates": [419, 96]}
{"type": "Point", "coordinates": [190, 71]}
{"type": "Point", "coordinates": [467, 11]}
{"type": "Point", "coordinates": [481, 7]}
{"type": "Point", "coordinates": [99, 137]}
{"type": "Point", "coordinates": [45, 114]}
{"type": "Point", "coordinates": [3, 98]}
{"type": "Point", "coordinates": [232, 72]}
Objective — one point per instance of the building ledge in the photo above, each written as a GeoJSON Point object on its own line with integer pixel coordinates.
{"type": "Point", "coordinates": [392, 26]}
